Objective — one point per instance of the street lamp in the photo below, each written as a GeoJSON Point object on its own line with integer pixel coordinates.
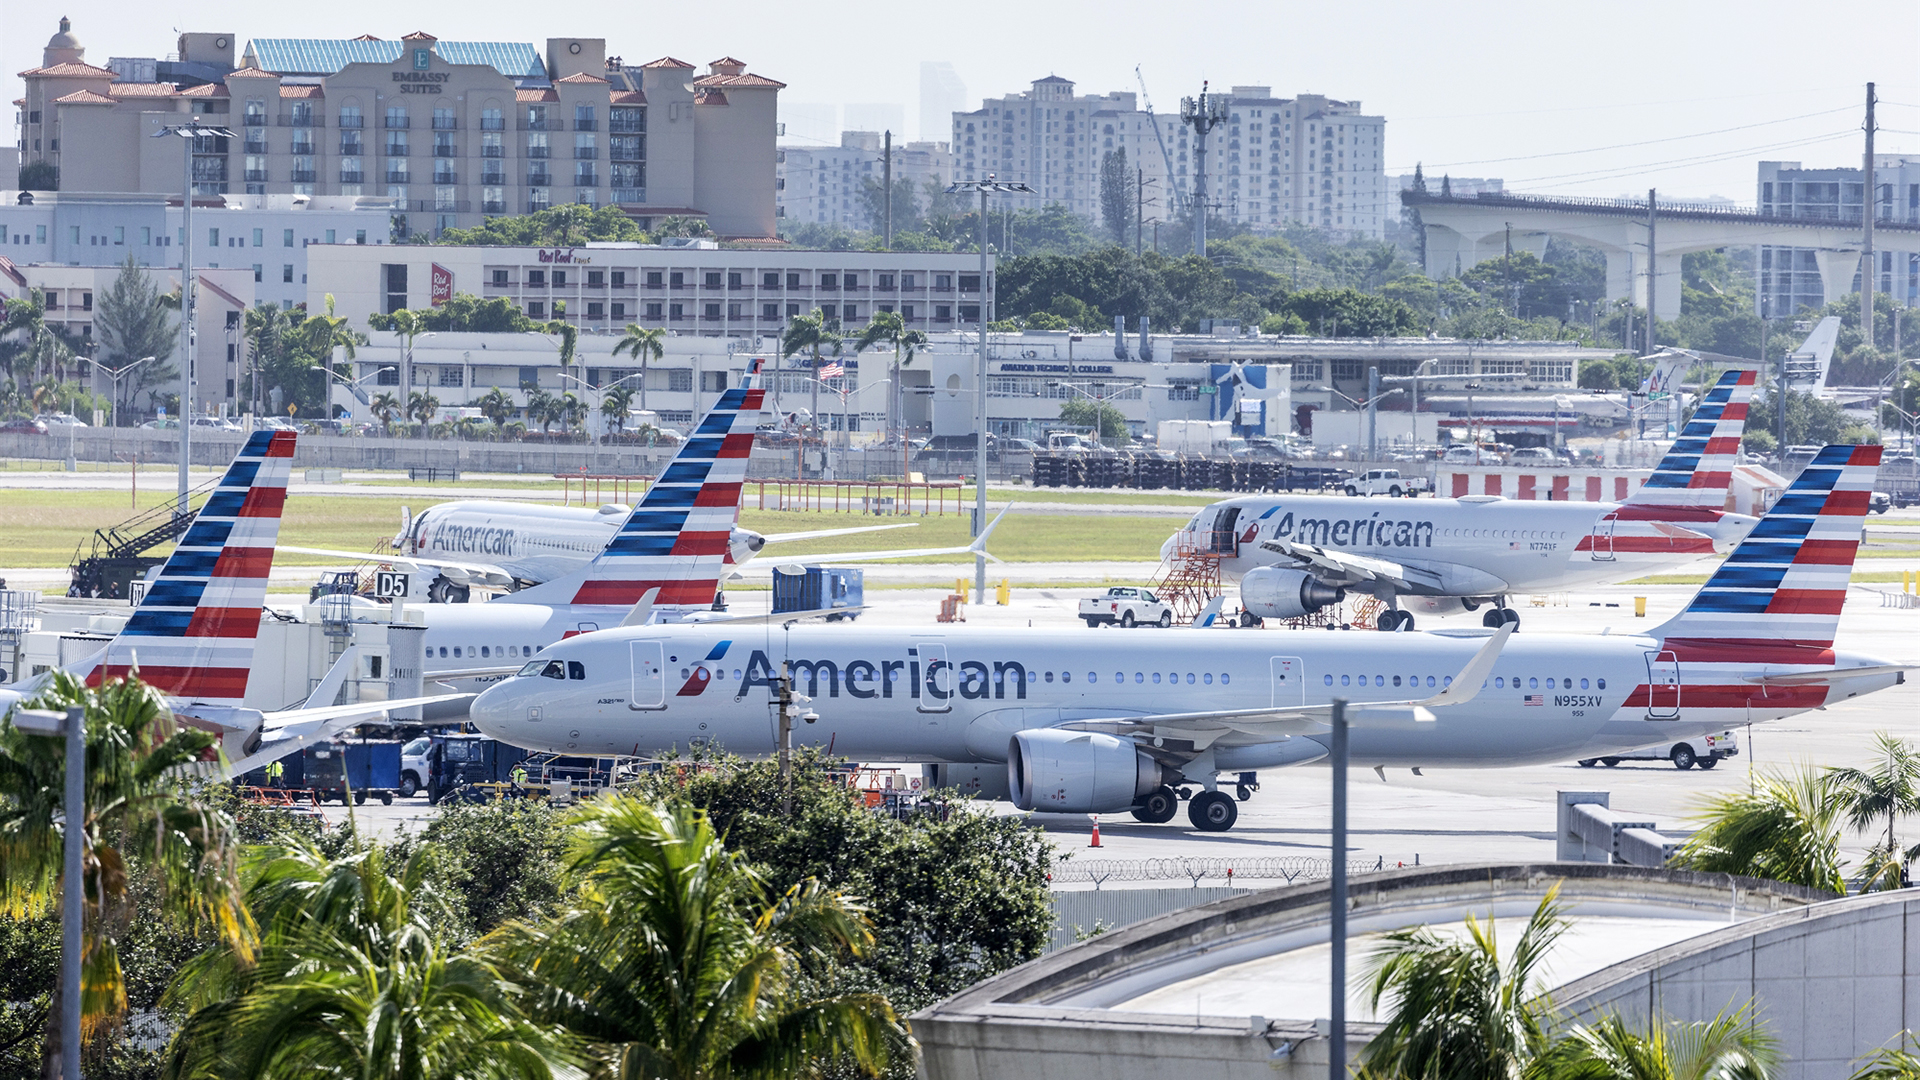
{"type": "Point", "coordinates": [1415, 380]}
{"type": "Point", "coordinates": [958, 187]}
{"type": "Point", "coordinates": [354, 385]}
{"type": "Point", "coordinates": [187, 134]}
{"type": "Point", "coordinates": [114, 374]}
{"type": "Point", "coordinates": [846, 439]}
{"type": "Point", "coordinates": [72, 725]}
{"type": "Point", "coordinates": [599, 396]}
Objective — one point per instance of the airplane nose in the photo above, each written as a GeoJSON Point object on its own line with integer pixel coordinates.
{"type": "Point", "coordinates": [490, 712]}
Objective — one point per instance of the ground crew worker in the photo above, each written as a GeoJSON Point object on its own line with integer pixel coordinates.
{"type": "Point", "coordinates": [520, 777]}
{"type": "Point", "coordinates": [275, 771]}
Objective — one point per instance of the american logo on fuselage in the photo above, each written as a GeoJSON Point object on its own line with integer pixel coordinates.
{"type": "Point", "coordinates": [1372, 531]}
{"type": "Point", "coordinates": [885, 679]}
{"type": "Point", "coordinates": [473, 539]}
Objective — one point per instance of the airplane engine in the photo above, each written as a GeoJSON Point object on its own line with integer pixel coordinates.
{"type": "Point", "coordinates": [985, 781]}
{"type": "Point", "coordinates": [1079, 772]}
{"type": "Point", "coordinates": [1435, 605]}
{"type": "Point", "coordinates": [1274, 593]}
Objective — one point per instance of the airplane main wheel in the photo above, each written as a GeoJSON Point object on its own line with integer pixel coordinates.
{"type": "Point", "coordinates": [1158, 807]}
{"type": "Point", "coordinates": [1683, 757]}
{"type": "Point", "coordinates": [1497, 617]}
{"type": "Point", "coordinates": [1589, 762]}
{"type": "Point", "coordinates": [1212, 811]}
{"type": "Point", "coordinates": [1508, 615]}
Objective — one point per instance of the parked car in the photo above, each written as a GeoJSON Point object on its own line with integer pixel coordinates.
{"type": "Point", "coordinates": [61, 420]}
{"type": "Point", "coordinates": [1535, 455]}
{"type": "Point", "coordinates": [1387, 482]}
{"type": "Point", "coordinates": [1128, 607]}
{"type": "Point", "coordinates": [270, 423]}
{"type": "Point", "coordinates": [214, 423]}
{"type": "Point", "coordinates": [1469, 455]}
{"type": "Point", "coordinates": [24, 425]}
{"type": "Point", "coordinates": [165, 423]}
{"type": "Point", "coordinates": [1021, 446]}
{"type": "Point", "coordinates": [1704, 751]}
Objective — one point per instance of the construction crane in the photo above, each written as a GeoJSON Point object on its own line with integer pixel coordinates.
{"type": "Point", "coordinates": [1176, 192]}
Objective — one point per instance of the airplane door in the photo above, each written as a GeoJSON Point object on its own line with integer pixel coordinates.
{"type": "Point", "coordinates": [649, 676]}
{"type": "Point", "coordinates": [1602, 545]}
{"type": "Point", "coordinates": [1289, 681]}
{"type": "Point", "coordinates": [1663, 686]}
{"type": "Point", "coordinates": [1224, 541]}
{"type": "Point", "coordinates": [938, 680]}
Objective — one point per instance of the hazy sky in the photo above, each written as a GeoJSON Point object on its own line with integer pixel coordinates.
{"type": "Point", "coordinates": [1596, 99]}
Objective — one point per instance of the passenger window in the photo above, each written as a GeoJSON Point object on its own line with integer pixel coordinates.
{"type": "Point", "coordinates": [1207, 677]}
{"type": "Point", "coordinates": [554, 670]}
{"type": "Point", "coordinates": [1601, 683]}
{"type": "Point", "coordinates": [1448, 681]}
{"type": "Point", "coordinates": [1583, 684]}
{"type": "Point", "coordinates": [1533, 684]}
{"type": "Point", "coordinates": [1326, 680]}
{"type": "Point", "coordinates": [456, 652]}
{"type": "Point", "coordinates": [1225, 678]}
{"type": "Point", "coordinates": [1049, 677]}
{"type": "Point", "coordinates": [1140, 677]}
{"type": "Point", "coordinates": [1429, 680]}
{"type": "Point", "coordinates": [1499, 682]}
{"type": "Point", "coordinates": [1379, 680]}
{"type": "Point", "coordinates": [483, 652]}
{"type": "Point", "coordinates": [576, 670]}
{"type": "Point", "coordinates": [1345, 680]}
{"type": "Point", "coordinates": [1156, 678]}
{"type": "Point", "coordinates": [1396, 680]}
{"type": "Point", "coordinates": [1066, 676]}
{"type": "Point", "coordinates": [1093, 676]}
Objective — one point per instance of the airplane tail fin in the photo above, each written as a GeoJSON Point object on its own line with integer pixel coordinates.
{"type": "Point", "coordinates": [1785, 583]}
{"type": "Point", "coordinates": [191, 637]}
{"type": "Point", "coordinates": [1699, 467]}
{"type": "Point", "coordinates": [675, 540]}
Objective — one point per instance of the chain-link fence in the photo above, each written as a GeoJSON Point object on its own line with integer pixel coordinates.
{"type": "Point", "coordinates": [1215, 871]}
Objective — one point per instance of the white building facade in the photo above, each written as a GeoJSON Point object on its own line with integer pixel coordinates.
{"type": "Point", "coordinates": [826, 185]}
{"type": "Point", "coordinates": [1790, 277]}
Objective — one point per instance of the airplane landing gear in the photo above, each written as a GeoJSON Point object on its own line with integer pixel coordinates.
{"type": "Point", "coordinates": [1496, 617]}
{"type": "Point", "coordinates": [1212, 811]}
{"type": "Point", "coordinates": [1158, 807]}
{"type": "Point", "coordinates": [444, 591]}
{"type": "Point", "coordinates": [1392, 620]}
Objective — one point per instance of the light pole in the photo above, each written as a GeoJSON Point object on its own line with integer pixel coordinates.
{"type": "Point", "coordinates": [73, 726]}
{"type": "Point", "coordinates": [1892, 377]}
{"type": "Point", "coordinates": [114, 374]}
{"type": "Point", "coordinates": [1415, 380]}
{"type": "Point", "coordinates": [1011, 187]}
{"type": "Point", "coordinates": [354, 385]}
{"type": "Point", "coordinates": [187, 133]}
{"type": "Point", "coordinates": [599, 397]}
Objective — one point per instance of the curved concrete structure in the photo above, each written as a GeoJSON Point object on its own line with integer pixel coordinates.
{"type": "Point", "coordinates": [1235, 988]}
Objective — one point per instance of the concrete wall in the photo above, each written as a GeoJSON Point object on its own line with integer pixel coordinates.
{"type": "Point", "coordinates": [1078, 912]}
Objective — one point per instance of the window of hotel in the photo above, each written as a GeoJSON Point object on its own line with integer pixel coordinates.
{"type": "Point", "coordinates": [452, 376]}
{"type": "Point", "coordinates": [536, 118]}
{"type": "Point", "coordinates": [537, 145]}
{"type": "Point", "coordinates": [443, 119]}
{"type": "Point", "coordinates": [619, 279]}
{"type": "Point", "coordinates": [770, 280]}
{"type": "Point", "coordinates": [584, 147]}
{"type": "Point", "coordinates": [711, 280]}
{"type": "Point", "coordinates": [676, 312]}
{"type": "Point", "coordinates": [680, 381]}
{"type": "Point", "coordinates": [537, 200]}
{"type": "Point", "coordinates": [396, 116]}
{"type": "Point", "coordinates": [653, 312]}
{"type": "Point", "coordinates": [906, 281]}
{"type": "Point", "coordinates": [501, 277]}
{"type": "Point", "coordinates": [559, 279]}
{"type": "Point", "coordinates": [491, 120]}
{"type": "Point", "coordinates": [852, 312]}
{"type": "Point", "coordinates": [596, 310]}
{"type": "Point", "coordinates": [653, 279]}
{"type": "Point", "coordinates": [619, 310]}
{"type": "Point", "coordinates": [596, 279]}
{"type": "Point", "coordinates": [583, 118]}
{"type": "Point", "coordinates": [852, 281]}
{"type": "Point", "coordinates": [793, 281]}
{"type": "Point", "coordinates": [770, 311]}
{"type": "Point", "coordinates": [536, 309]}
{"type": "Point", "coordinates": [350, 117]}
{"type": "Point", "coordinates": [711, 311]}
{"type": "Point", "coordinates": [492, 144]}
{"type": "Point", "coordinates": [537, 279]}
{"type": "Point", "coordinates": [883, 281]}
{"type": "Point", "coordinates": [830, 313]}
{"type": "Point", "coordinates": [829, 281]}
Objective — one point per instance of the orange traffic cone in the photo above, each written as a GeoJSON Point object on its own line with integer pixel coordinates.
{"type": "Point", "coordinates": [1096, 831]}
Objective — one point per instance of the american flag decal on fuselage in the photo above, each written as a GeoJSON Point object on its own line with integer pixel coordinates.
{"type": "Point", "coordinates": [191, 637]}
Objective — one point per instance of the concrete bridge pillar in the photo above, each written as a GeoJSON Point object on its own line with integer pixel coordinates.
{"type": "Point", "coordinates": [1443, 250]}
{"type": "Point", "coordinates": [1667, 281]}
{"type": "Point", "coordinates": [1837, 268]}
{"type": "Point", "coordinates": [1625, 277]}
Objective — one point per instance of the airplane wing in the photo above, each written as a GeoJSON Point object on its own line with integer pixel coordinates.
{"type": "Point", "coordinates": [822, 534]}
{"type": "Point", "coordinates": [1355, 568]}
{"type": "Point", "coordinates": [1203, 728]}
{"type": "Point", "coordinates": [287, 732]}
{"type": "Point", "coordinates": [1828, 676]}
{"type": "Point", "coordinates": [977, 547]}
{"type": "Point", "coordinates": [459, 572]}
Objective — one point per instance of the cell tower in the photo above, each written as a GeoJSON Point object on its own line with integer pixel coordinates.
{"type": "Point", "coordinates": [1202, 114]}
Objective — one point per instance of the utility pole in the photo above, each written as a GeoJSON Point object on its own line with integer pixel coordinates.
{"type": "Point", "coordinates": [1337, 902]}
{"type": "Point", "coordinates": [886, 175]}
{"type": "Point", "coordinates": [1508, 269]}
{"type": "Point", "coordinates": [786, 738]}
{"type": "Point", "coordinates": [1373, 410]}
{"type": "Point", "coordinates": [1203, 114]}
{"type": "Point", "coordinates": [1869, 208]}
{"type": "Point", "coordinates": [1652, 274]}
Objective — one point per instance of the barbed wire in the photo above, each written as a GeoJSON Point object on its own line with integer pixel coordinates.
{"type": "Point", "coordinates": [1291, 869]}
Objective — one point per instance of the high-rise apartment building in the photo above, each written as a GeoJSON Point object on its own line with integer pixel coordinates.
{"type": "Point", "coordinates": [455, 132]}
{"type": "Point", "coordinates": [826, 185]}
{"type": "Point", "coordinates": [1790, 278]}
{"type": "Point", "coordinates": [1276, 161]}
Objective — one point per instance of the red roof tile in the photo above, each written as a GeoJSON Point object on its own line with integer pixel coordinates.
{"type": "Point", "coordinates": [628, 97]}
{"type": "Point", "coordinates": [581, 77]}
{"type": "Point", "coordinates": [71, 69]}
{"type": "Point", "coordinates": [419, 35]}
{"type": "Point", "coordinates": [739, 82]}
{"type": "Point", "coordinates": [668, 62]}
{"type": "Point", "coordinates": [710, 97]}
{"type": "Point", "coordinates": [143, 90]}
{"type": "Point", "coordinates": [367, 37]}
{"type": "Point", "coordinates": [728, 60]}
{"type": "Point", "coordinates": [302, 91]}
{"type": "Point", "coordinates": [207, 90]}
{"type": "Point", "coordinates": [83, 97]}
{"type": "Point", "coordinates": [536, 95]}
{"type": "Point", "coordinates": [251, 73]}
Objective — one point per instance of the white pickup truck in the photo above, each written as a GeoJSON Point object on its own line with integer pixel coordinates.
{"type": "Point", "coordinates": [1387, 482]}
{"type": "Point", "coordinates": [1126, 606]}
{"type": "Point", "coordinates": [1704, 751]}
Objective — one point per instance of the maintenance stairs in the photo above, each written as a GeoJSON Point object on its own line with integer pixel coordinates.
{"type": "Point", "coordinates": [119, 554]}
{"type": "Point", "coordinates": [1189, 580]}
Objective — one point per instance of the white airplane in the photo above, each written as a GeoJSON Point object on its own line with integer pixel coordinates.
{"type": "Point", "coordinates": [192, 635]}
{"type": "Point", "coordinates": [1098, 723]}
{"type": "Point", "coordinates": [454, 547]}
{"type": "Point", "coordinates": [1807, 365]}
{"type": "Point", "coordinates": [1296, 554]}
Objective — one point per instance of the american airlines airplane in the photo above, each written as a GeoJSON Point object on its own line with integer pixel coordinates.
{"type": "Point", "coordinates": [1296, 554]}
{"type": "Point", "coordinates": [192, 635]}
{"type": "Point", "coordinates": [1097, 723]}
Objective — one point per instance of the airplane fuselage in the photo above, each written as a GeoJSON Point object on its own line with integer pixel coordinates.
{"type": "Point", "coordinates": [892, 693]}
{"type": "Point", "coordinates": [1474, 546]}
{"type": "Point", "coordinates": [531, 542]}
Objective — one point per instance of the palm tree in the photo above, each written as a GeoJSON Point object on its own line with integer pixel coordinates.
{"type": "Point", "coordinates": [568, 333]}
{"type": "Point", "coordinates": [613, 406]}
{"type": "Point", "coordinates": [1890, 790]}
{"type": "Point", "coordinates": [322, 335]}
{"type": "Point", "coordinates": [409, 324]}
{"type": "Point", "coordinates": [1458, 1008]}
{"type": "Point", "coordinates": [1786, 829]}
{"type": "Point", "coordinates": [642, 343]}
{"type": "Point", "coordinates": [571, 410]}
{"type": "Point", "coordinates": [420, 407]}
{"type": "Point", "coordinates": [674, 961]}
{"type": "Point", "coordinates": [496, 405]}
{"type": "Point", "coordinates": [810, 332]}
{"type": "Point", "coordinates": [354, 979]}
{"type": "Point", "coordinates": [265, 328]}
{"type": "Point", "coordinates": [888, 328]}
{"type": "Point", "coordinates": [1728, 1046]}
{"type": "Point", "coordinates": [1890, 1063]}
{"type": "Point", "coordinates": [137, 815]}
{"type": "Point", "coordinates": [386, 406]}
{"type": "Point", "coordinates": [540, 409]}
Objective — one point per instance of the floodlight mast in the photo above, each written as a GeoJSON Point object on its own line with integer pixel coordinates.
{"type": "Point", "coordinates": [187, 133]}
{"type": "Point", "coordinates": [1010, 187]}
{"type": "Point", "coordinates": [1202, 114]}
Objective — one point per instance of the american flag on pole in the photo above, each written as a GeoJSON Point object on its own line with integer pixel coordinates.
{"type": "Point", "coordinates": [1535, 699]}
{"type": "Point", "coordinates": [833, 370]}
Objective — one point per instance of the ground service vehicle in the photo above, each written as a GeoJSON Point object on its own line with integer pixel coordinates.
{"type": "Point", "coordinates": [1127, 606]}
{"type": "Point", "coordinates": [1387, 482]}
{"type": "Point", "coordinates": [1704, 751]}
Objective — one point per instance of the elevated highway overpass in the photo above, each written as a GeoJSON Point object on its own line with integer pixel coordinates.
{"type": "Point", "coordinates": [1465, 230]}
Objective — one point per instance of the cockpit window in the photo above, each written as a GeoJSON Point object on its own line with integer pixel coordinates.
{"type": "Point", "coordinates": [532, 669]}
{"type": "Point", "coordinates": [576, 670]}
{"type": "Point", "coordinates": [554, 669]}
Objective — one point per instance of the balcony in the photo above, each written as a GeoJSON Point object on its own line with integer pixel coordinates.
{"type": "Point", "coordinates": [588, 124]}
{"type": "Point", "coordinates": [256, 176]}
{"type": "Point", "coordinates": [398, 123]}
{"type": "Point", "coordinates": [304, 149]}
{"type": "Point", "coordinates": [353, 120]}
{"type": "Point", "coordinates": [443, 206]}
{"type": "Point", "coordinates": [401, 177]}
{"type": "Point", "coordinates": [586, 153]}
{"type": "Point", "coordinates": [531, 124]}
{"type": "Point", "coordinates": [303, 176]}
{"type": "Point", "coordinates": [539, 179]}
{"type": "Point", "coordinates": [493, 123]}
{"type": "Point", "coordinates": [256, 147]}
{"type": "Point", "coordinates": [630, 195]}
{"type": "Point", "coordinates": [627, 127]}
{"type": "Point", "coordinates": [538, 151]}
{"type": "Point", "coordinates": [586, 179]}
{"type": "Point", "coordinates": [353, 177]}
{"type": "Point", "coordinates": [493, 151]}
{"type": "Point", "coordinates": [445, 150]}
{"type": "Point", "coordinates": [254, 119]}
{"type": "Point", "coordinates": [534, 206]}
{"type": "Point", "coordinates": [300, 120]}
{"type": "Point", "coordinates": [446, 123]}
{"type": "Point", "coordinates": [493, 179]}
{"type": "Point", "coordinates": [493, 206]}
{"type": "Point", "coordinates": [396, 149]}
{"type": "Point", "coordinates": [352, 148]}
{"type": "Point", "coordinates": [447, 176]}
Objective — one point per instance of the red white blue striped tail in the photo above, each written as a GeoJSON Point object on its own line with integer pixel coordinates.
{"type": "Point", "coordinates": [1784, 585]}
{"type": "Point", "coordinates": [1698, 468]}
{"type": "Point", "coordinates": [676, 539]}
{"type": "Point", "coordinates": [191, 636]}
